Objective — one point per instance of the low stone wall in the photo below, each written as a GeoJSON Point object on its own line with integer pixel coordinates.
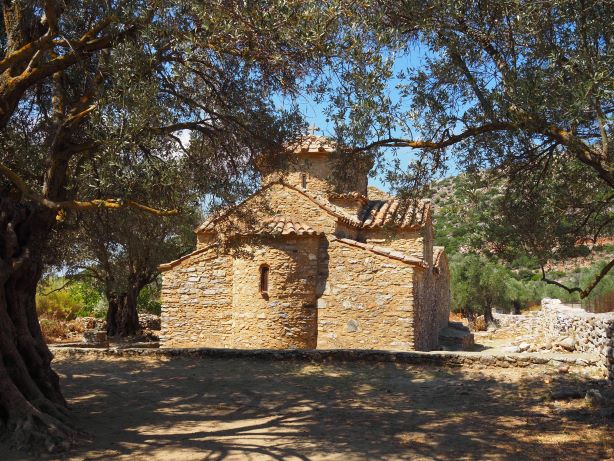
{"type": "Point", "coordinates": [436, 358]}
{"type": "Point", "coordinates": [586, 332]}
{"type": "Point", "coordinates": [559, 327]}
{"type": "Point", "coordinates": [526, 324]}
{"type": "Point", "coordinates": [146, 322]}
{"type": "Point", "coordinates": [590, 331]}
{"type": "Point", "coordinates": [149, 322]}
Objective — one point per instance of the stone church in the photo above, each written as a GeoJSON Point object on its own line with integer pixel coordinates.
{"type": "Point", "coordinates": [314, 259]}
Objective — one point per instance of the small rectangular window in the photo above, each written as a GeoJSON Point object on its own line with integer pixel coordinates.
{"type": "Point", "coordinates": [304, 180]}
{"type": "Point", "coordinates": [264, 279]}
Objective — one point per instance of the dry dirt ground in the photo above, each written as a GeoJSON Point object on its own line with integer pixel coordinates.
{"type": "Point", "coordinates": [238, 409]}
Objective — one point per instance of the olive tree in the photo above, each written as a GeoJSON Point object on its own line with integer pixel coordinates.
{"type": "Point", "coordinates": [521, 89]}
{"type": "Point", "coordinates": [85, 84]}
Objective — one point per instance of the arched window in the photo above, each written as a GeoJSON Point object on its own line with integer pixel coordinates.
{"type": "Point", "coordinates": [304, 180]}
{"type": "Point", "coordinates": [264, 279]}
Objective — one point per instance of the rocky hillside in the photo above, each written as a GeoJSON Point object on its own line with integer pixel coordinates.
{"type": "Point", "coordinates": [461, 209]}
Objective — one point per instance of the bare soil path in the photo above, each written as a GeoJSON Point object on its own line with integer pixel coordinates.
{"type": "Point", "coordinates": [239, 409]}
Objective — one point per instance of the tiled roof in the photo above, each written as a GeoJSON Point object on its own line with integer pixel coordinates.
{"type": "Point", "coordinates": [311, 144]}
{"type": "Point", "coordinates": [383, 251]}
{"type": "Point", "coordinates": [322, 202]}
{"type": "Point", "coordinates": [208, 224]}
{"type": "Point", "coordinates": [349, 196]}
{"type": "Point", "coordinates": [395, 212]}
{"type": "Point", "coordinates": [281, 225]}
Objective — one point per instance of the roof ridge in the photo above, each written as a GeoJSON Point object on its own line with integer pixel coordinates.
{"type": "Point", "coordinates": [383, 251]}
{"type": "Point", "coordinates": [324, 204]}
{"type": "Point", "coordinates": [224, 211]}
{"type": "Point", "coordinates": [169, 265]}
{"type": "Point", "coordinates": [284, 225]}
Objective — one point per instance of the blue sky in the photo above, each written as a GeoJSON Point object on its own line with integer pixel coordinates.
{"type": "Point", "coordinates": [314, 115]}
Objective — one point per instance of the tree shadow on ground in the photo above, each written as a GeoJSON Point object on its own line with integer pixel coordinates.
{"type": "Point", "coordinates": [254, 409]}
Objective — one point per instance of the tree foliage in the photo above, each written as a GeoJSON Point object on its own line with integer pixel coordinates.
{"type": "Point", "coordinates": [520, 88]}
{"type": "Point", "coordinates": [110, 87]}
{"type": "Point", "coordinates": [478, 285]}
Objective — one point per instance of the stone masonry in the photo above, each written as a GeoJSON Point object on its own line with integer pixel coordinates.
{"type": "Point", "coordinates": [558, 327]}
{"type": "Point", "coordinates": [313, 260]}
{"type": "Point", "coordinates": [587, 332]}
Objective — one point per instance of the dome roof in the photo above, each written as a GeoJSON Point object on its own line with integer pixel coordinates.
{"type": "Point", "coordinates": [311, 144]}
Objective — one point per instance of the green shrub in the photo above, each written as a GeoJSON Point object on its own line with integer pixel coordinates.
{"type": "Point", "coordinates": [149, 300]}
{"type": "Point", "coordinates": [58, 299]}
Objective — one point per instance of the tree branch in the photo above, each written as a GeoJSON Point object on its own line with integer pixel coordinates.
{"type": "Point", "coordinates": [582, 292]}
{"type": "Point", "coordinates": [450, 140]}
{"type": "Point", "coordinates": [26, 51]}
{"type": "Point", "coordinates": [585, 153]}
{"type": "Point", "coordinates": [111, 203]}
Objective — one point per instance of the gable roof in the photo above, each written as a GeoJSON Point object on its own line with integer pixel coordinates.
{"type": "Point", "coordinates": [333, 210]}
{"type": "Point", "coordinates": [394, 212]}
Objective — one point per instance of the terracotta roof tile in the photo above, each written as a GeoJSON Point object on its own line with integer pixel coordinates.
{"type": "Point", "coordinates": [404, 214]}
{"type": "Point", "coordinates": [395, 212]}
{"type": "Point", "coordinates": [209, 224]}
{"type": "Point", "coordinates": [349, 196]}
{"type": "Point", "coordinates": [281, 225]}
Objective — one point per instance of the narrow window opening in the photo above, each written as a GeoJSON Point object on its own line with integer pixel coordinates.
{"type": "Point", "coordinates": [264, 279]}
{"type": "Point", "coordinates": [304, 180]}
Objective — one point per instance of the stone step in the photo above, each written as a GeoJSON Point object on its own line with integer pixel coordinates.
{"type": "Point", "coordinates": [455, 337]}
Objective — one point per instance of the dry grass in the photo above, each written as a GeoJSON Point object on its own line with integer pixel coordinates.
{"type": "Point", "coordinates": [57, 330]}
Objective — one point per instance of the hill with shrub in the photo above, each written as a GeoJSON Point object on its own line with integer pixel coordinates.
{"type": "Point", "coordinates": [483, 278]}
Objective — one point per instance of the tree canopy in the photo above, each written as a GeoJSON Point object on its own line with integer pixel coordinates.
{"type": "Point", "coordinates": [95, 94]}
{"type": "Point", "coordinates": [521, 89]}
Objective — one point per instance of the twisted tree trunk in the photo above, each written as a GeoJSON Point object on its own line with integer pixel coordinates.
{"type": "Point", "coordinates": [488, 317]}
{"type": "Point", "coordinates": [122, 316]}
{"type": "Point", "coordinates": [33, 412]}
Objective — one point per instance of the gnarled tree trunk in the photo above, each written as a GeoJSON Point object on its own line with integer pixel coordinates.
{"type": "Point", "coordinates": [488, 317]}
{"type": "Point", "coordinates": [122, 316]}
{"type": "Point", "coordinates": [33, 412]}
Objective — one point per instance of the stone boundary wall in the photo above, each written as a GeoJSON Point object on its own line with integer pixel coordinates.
{"type": "Point", "coordinates": [435, 358]}
{"type": "Point", "coordinates": [529, 323]}
{"type": "Point", "coordinates": [585, 331]}
{"type": "Point", "coordinates": [593, 333]}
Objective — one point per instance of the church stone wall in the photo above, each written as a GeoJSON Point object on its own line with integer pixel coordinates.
{"type": "Point", "coordinates": [292, 204]}
{"type": "Point", "coordinates": [431, 308]}
{"type": "Point", "coordinates": [284, 317]}
{"type": "Point", "coordinates": [367, 302]}
{"type": "Point", "coordinates": [197, 302]}
{"type": "Point", "coordinates": [214, 300]}
{"type": "Point", "coordinates": [406, 241]}
{"type": "Point", "coordinates": [322, 175]}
